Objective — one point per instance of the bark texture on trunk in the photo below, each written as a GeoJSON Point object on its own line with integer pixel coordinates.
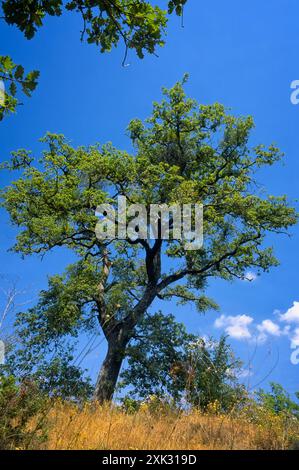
{"type": "Point", "coordinates": [110, 369]}
{"type": "Point", "coordinates": [119, 332]}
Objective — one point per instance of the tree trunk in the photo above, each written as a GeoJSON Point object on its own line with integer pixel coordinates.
{"type": "Point", "coordinates": [118, 336]}
{"type": "Point", "coordinates": [110, 369]}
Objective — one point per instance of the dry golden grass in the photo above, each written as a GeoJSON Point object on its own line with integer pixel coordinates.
{"type": "Point", "coordinates": [110, 428]}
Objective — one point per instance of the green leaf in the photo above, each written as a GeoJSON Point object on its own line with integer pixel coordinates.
{"type": "Point", "coordinates": [19, 72]}
{"type": "Point", "coordinates": [13, 88]}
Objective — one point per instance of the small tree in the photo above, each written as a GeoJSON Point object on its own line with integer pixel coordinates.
{"type": "Point", "coordinates": [50, 367]}
{"type": "Point", "coordinates": [20, 403]}
{"type": "Point", "coordinates": [167, 362]}
{"type": "Point", "coordinates": [155, 358]}
{"type": "Point", "coordinates": [185, 153]}
{"type": "Point", "coordinates": [212, 375]}
{"type": "Point", "coordinates": [278, 400]}
{"type": "Point", "coordinates": [47, 365]}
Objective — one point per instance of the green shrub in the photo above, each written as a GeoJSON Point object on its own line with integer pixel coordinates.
{"type": "Point", "coordinates": [129, 405]}
{"type": "Point", "coordinates": [22, 414]}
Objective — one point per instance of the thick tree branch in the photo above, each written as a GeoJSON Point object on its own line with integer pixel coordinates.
{"type": "Point", "coordinates": [196, 272]}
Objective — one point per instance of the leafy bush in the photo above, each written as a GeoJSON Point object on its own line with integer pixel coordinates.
{"type": "Point", "coordinates": [166, 361]}
{"type": "Point", "coordinates": [278, 400]}
{"type": "Point", "coordinates": [277, 418]}
{"type": "Point", "coordinates": [22, 414]}
{"type": "Point", "coordinates": [129, 405]}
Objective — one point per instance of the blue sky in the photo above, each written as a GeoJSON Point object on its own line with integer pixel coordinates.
{"type": "Point", "coordinates": [244, 57]}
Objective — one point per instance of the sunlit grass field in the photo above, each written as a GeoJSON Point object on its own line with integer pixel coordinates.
{"type": "Point", "coordinates": [105, 427]}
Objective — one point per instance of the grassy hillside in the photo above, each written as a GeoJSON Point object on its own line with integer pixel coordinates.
{"type": "Point", "coordinates": [94, 427]}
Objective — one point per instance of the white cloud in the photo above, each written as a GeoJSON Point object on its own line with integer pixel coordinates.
{"type": "Point", "coordinates": [242, 327]}
{"type": "Point", "coordinates": [270, 328]}
{"type": "Point", "coordinates": [250, 276]}
{"type": "Point", "coordinates": [245, 373]}
{"type": "Point", "coordinates": [292, 314]}
{"type": "Point", "coordinates": [235, 326]}
{"type": "Point", "coordinates": [295, 339]}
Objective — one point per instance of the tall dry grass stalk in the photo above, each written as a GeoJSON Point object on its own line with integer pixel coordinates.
{"type": "Point", "coordinates": [110, 428]}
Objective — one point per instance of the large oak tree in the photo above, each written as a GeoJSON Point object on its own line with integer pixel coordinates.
{"type": "Point", "coordinates": [184, 153]}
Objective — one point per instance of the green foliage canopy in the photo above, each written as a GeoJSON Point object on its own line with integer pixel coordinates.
{"type": "Point", "coordinates": [167, 362]}
{"type": "Point", "coordinates": [138, 23]}
{"type": "Point", "coordinates": [278, 400]}
{"type": "Point", "coordinates": [14, 78]}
